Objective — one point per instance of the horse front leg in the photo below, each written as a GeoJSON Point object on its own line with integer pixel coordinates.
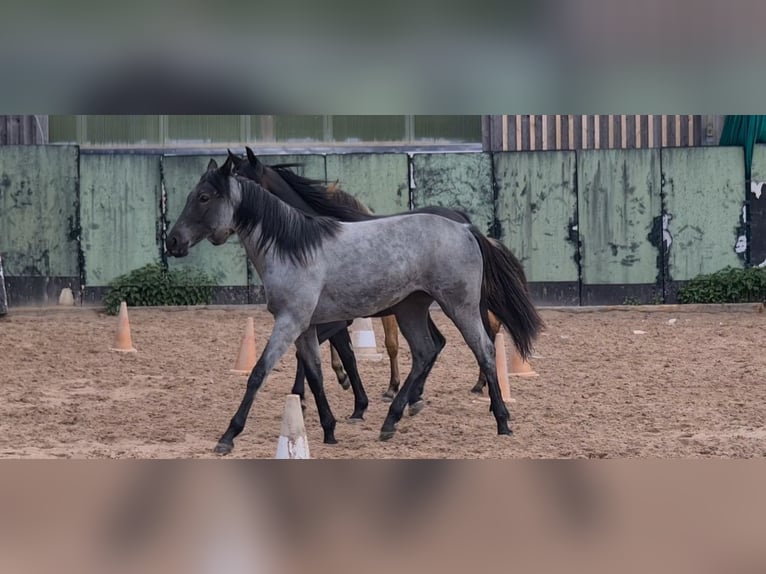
{"type": "Point", "coordinates": [299, 386]}
{"type": "Point", "coordinates": [342, 342]}
{"type": "Point", "coordinates": [391, 330]}
{"type": "Point", "coordinates": [286, 331]}
{"type": "Point", "coordinates": [307, 346]}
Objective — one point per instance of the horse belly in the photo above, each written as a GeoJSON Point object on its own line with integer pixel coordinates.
{"type": "Point", "coordinates": [351, 293]}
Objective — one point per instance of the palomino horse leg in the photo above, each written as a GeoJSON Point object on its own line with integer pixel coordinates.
{"type": "Point", "coordinates": [308, 349]}
{"type": "Point", "coordinates": [337, 366]}
{"type": "Point", "coordinates": [391, 329]}
{"type": "Point", "coordinates": [415, 400]}
{"type": "Point", "coordinates": [412, 316]}
{"type": "Point", "coordinates": [342, 342]}
{"type": "Point", "coordinates": [495, 326]}
{"type": "Point", "coordinates": [286, 331]}
{"type": "Point", "coordinates": [467, 319]}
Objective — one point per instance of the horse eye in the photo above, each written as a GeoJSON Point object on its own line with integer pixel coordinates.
{"type": "Point", "coordinates": [204, 198]}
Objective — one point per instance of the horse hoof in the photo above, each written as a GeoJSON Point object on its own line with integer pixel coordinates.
{"type": "Point", "coordinates": [330, 439]}
{"type": "Point", "coordinates": [505, 432]}
{"type": "Point", "coordinates": [355, 419]}
{"type": "Point", "coordinates": [387, 435]}
{"type": "Point", "coordinates": [416, 407]}
{"type": "Point", "coordinates": [478, 390]}
{"type": "Point", "coordinates": [345, 384]}
{"type": "Point", "coordinates": [223, 448]}
{"type": "Point", "coordinates": [388, 396]}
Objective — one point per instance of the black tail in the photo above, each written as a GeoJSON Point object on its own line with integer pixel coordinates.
{"type": "Point", "coordinates": [504, 292]}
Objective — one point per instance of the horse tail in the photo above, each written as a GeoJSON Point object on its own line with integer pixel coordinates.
{"type": "Point", "coordinates": [504, 292]}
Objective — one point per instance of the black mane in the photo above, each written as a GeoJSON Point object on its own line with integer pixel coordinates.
{"type": "Point", "coordinates": [292, 233]}
{"type": "Point", "coordinates": [343, 206]}
{"type": "Point", "coordinates": [338, 204]}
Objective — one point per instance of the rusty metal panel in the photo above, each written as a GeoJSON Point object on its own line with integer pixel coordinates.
{"type": "Point", "coordinates": [39, 225]}
{"type": "Point", "coordinates": [226, 263]}
{"type": "Point", "coordinates": [756, 195]}
{"type": "Point", "coordinates": [704, 193]}
{"type": "Point", "coordinates": [619, 204]}
{"type": "Point", "coordinates": [536, 212]}
{"type": "Point", "coordinates": [119, 202]}
{"type": "Point", "coordinates": [462, 181]}
{"type": "Point", "coordinates": [377, 180]}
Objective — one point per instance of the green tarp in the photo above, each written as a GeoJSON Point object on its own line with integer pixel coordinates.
{"type": "Point", "coordinates": [744, 131]}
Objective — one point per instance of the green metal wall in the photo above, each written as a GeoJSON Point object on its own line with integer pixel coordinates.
{"type": "Point", "coordinates": [536, 213]}
{"type": "Point", "coordinates": [120, 214]}
{"type": "Point", "coordinates": [596, 226]}
{"type": "Point", "coordinates": [377, 180]}
{"type": "Point", "coordinates": [39, 220]}
{"type": "Point", "coordinates": [619, 199]}
{"type": "Point", "coordinates": [462, 181]}
{"type": "Point", "coordinates": [704, 191]}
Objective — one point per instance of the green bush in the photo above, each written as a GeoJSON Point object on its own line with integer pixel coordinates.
{"type": "Point", "coordinates": [152, 285]}
{"type": "Point", "coordinates": [729, 285]}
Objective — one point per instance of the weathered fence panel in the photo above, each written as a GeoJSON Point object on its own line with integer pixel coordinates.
{"type": "Point", "coordinates": [39, 229]}
{"type": "Point", "coordinates": [618, 204]}
{"type": "Point", "coordinates": [462, 181]}
{"type": "Point", "coordinates": [120, 215]}
{"type": "Point", "coordinates": [380, 181]}
{"type": "Point", "coordinates": [227, 264]}
{"type": "Point", "coordinates": [704, 194]}
{"type": "Point", "coordinates": [536, 214]}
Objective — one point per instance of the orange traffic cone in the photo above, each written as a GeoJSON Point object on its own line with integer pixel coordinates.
{"type": "Point", "coordinates": [123, 341]}
{"type": "Point", "coordinates": [520, 367]}
{"type": "Point", "coordinates": [501, 366]}
{"type": "Point", "coordinates": [246, 357]}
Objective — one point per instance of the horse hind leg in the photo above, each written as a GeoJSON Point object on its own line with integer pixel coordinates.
{"type": "Point", "coordinates": [391, 330]}
{"type": "Point", "coordinates": [412, 316]}
{"type": "Point", "coordinates": [467, 319]}
{"type": "Point", "coordinates": [495, 326]}
{"type": "Point", "coordinates": [416, 402]}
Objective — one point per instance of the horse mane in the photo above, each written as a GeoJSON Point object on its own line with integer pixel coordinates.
{"type": "Point", "coordinates": [330, 201]}
{"type": "Point", "coordinates": [292, 233]}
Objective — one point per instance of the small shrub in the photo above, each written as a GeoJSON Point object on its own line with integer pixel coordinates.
{"type": "Point", "coordinates": [152, 285]}
{"type": "Point", "coordinates": [729, 285]}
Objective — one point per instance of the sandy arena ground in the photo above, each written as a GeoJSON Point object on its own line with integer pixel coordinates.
{"type": "Point", "coordinates": [690, 388]}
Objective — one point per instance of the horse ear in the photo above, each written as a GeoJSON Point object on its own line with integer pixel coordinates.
{"type": "Point", "coordinates": [236, 160]}
{"type": "Point", "coordinates": [212, 165]}
{"type": "Point", "coordinates": [255, 162]}
{"type": "Point", "coordinates": [227, 166]}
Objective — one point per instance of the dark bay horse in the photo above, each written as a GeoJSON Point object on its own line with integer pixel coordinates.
{"type": "Point", "coordinates": [316, 198]}
{"type": "Point", "coordinates": [318, 270]}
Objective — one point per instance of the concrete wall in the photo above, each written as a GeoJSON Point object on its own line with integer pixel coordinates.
{"type": "Point", "coordinates": [591, 227]}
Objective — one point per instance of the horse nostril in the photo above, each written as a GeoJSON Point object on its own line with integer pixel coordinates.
{"type": "Point", "coordinates": [171, 242]}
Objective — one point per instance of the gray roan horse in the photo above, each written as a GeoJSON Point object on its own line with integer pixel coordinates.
{"type": "Point", "coordinates": [315, 197]}
{"type": "Point", "coordinates": [318, 270]}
